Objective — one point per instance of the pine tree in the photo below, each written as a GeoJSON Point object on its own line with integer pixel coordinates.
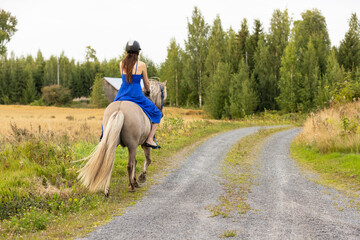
{"type": "Point", "coordinates": [18, 81]}
{"type": "Point", "coordinates": [196, 47]}
{"type": "Point", "coordinates": [87, 75]}
{"type": "Point", "coordinates": [290, 77]}
{"type": "Point", "coordinates": [309, 85]}
{"type": "Point", "coordinates": [50, 71]}
{"type": "Point", "coordinates": [334, 73]}
{"type": "Point", "coordinates": [322, 97]}
{"type": "Point", "coordinates": [277, 39]}
{"type": "Point", "coordinates": [8, 66]}
{"type": "Point", "coordinates": [171, 70]}
{"type": "Point", "coordinates": [252, 43]}
{"type": "Point", "coordinates": [230, 49]}
{"type": "Point", "coordinates": [38, 72]}
{"type": "Point", "coordinates": [265, 82]}
{"type": "Point", "coordinates": [30, 92]}
{"type": "Point", "coordinates": [243, 99]}
{"type": "Point", "coordinates": [98, 93]}
{"type": "Point", "coordinates": [349, 50]}
{"type": "Point", "coordinates": [242, 38]}
{"type": "Point", "coordinates": [111, 68]}
{"type": "Point", "coordinates": [65, 71]}
{"type": "Point", "coordinates": [356, 84]}
{"type": "Point", "coordinates": [218, 92]}
{"type": "Point", "coordinates": [76, 88]}
{"type": "Point", "coordinates": [216, 46]}
{"type": "Point", "coordinates": [329, 81]}
{"type": "Point", "coordinates": [187, 95]}
{"type": "Point", "coordinates": [2, 78]}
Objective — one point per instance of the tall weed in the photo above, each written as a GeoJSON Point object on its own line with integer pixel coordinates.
{"type": "Point", "coordinates": [334, 129]}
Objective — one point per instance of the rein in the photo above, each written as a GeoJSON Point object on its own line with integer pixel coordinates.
{"type": "Point", "coordinates": [162, 98]}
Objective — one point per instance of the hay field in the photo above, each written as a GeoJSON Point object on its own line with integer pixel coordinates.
{"type": "Point", "coordinates": [68, 120]}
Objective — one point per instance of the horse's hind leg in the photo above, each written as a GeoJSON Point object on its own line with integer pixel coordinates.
{"type": "Point", "coordinates": [142, 177]}
{"type": "Point", "coordinates": [131, 169]}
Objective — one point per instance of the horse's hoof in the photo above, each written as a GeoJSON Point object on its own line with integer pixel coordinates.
{"type": "Point", "coordinates": [142, 178]}
{"type": "Point", "coordinates": [131, 189]}
{"type": "Point", "coordinates": [107, 194]}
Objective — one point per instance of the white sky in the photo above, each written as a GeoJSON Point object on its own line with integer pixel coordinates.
{"type": "Point", "coordinates": [54, 26]}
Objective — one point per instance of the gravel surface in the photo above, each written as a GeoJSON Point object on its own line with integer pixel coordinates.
{"type": "Point", "coordinates": [286, 204]}
{"type": "Point", "coordinates": [289, 206]}
{"type": "Point", "coordinates": [175, 209]}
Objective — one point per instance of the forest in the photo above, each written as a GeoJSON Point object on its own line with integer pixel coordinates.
{"type": "Point", "coordinates": [291, 67]}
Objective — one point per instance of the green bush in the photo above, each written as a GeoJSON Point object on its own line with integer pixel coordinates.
{"type": "Point", "coordinates": [56, 95]}
{"type": "Point", "coordinates": [39, 102]}
{"type": "Point", "coordinates": [98, 97]}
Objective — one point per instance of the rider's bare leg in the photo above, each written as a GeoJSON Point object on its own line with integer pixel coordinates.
{"type": "Point", "coordinates": [150, 139]}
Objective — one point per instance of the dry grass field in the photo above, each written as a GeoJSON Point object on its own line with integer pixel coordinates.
{"type": "Point", "coordinates": [68, 120]}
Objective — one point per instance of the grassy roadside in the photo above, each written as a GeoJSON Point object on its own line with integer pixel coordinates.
{"type": "Point", "coordinates": [335, 169]}
{"type": "Point", "coordinates": [41, 198]}
{"type": "Point", "coordinates": [329, 147]}
{"type": "Point", "coordinates": [237, 175]}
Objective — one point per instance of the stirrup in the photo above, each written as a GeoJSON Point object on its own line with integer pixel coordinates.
{"type": "Point", "coordinates": [158, 146]}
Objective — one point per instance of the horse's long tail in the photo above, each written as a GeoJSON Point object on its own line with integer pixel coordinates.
{"type": "Point", "coordinates": [96, 173]}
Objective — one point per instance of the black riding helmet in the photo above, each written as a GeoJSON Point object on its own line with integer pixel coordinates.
{"type": "Point", "coordinates": [132, 46]}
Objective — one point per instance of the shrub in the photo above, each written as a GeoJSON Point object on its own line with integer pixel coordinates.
{"type": "Point", "coordinates": [39, 102]}
{"type": "Point", "coordinates": [98, 93]}
{"type": "Point", "coordinates": [56, 95]}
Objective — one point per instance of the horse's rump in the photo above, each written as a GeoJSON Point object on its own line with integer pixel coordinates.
{"type": "Point", "coordinates": [136, 126]}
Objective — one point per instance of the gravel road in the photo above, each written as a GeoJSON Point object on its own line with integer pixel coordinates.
{"type": "Point", "coordinates": [289, 206]}
{"type": "Point", "coordinates": [286, 204]}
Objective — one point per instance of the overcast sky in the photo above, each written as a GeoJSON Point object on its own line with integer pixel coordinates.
{"type": "Point", "coordinates": [54, 26]}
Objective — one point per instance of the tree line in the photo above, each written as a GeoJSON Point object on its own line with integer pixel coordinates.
{"type": "Point", "coordinates": [231, 73]}
{"type": "Point", "coordinates": [292, 67]}
{"type": "Point", "coordinates": [23, 78]}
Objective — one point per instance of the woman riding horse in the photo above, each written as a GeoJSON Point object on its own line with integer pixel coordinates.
{"type": "Point", "coordinates": [130, 89]}
{"type": "Point", "coordinates": [126, 122]}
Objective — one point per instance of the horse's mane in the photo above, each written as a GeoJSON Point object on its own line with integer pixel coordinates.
{"type": "Point", "coordinates": [154, 87]}
{"type": "Point", "coordinates": [155, 91]}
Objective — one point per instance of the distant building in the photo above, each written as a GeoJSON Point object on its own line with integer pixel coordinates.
{"type": "Point", "coordinates": [112, 86]}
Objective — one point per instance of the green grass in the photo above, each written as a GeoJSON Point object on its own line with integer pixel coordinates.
{"type": "Point", "coordinates": [237, 175]}
{"type": "Point", "coordinates": [338, 170]}
{"type": "Point", "coordinates": [41, 198]}
{"type": "Point", "coordinates": [229, 233]}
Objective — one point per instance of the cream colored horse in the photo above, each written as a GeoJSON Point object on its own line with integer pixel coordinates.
{"type": "Point", "coordinates": [126, 124]}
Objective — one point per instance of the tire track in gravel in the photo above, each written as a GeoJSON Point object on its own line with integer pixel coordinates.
{"type": "Point", "coordinates": [288, 205]}
{"type": "Point", "coordinates": [175, 209]}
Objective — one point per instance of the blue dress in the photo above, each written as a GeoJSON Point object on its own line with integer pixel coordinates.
{"type": "Point", "coordinates": [132, 92]}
